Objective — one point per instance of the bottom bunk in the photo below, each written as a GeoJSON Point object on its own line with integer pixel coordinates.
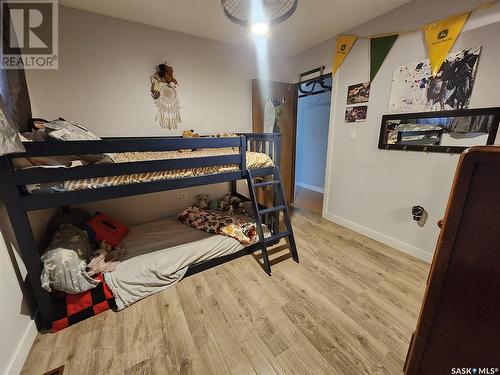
{"type": "Point", "coordinates": [144, 260]}
{"type": "Point", "coordinates": [157, 255]}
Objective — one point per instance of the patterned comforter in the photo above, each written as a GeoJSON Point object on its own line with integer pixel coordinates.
{"type": "Point", "coordinates": [218, 222]}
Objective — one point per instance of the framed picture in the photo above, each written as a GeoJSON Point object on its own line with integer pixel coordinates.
{"type": "Point", "coordinates": [358, 93]}
{"type": "Point", "coordinates": [443, 131]}
{"type": "Point", "coordinates": [356, 114]}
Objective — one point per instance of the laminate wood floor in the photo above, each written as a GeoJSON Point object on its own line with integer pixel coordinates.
{"type": "Point", "coordinates": [349, 307]}
{"type": "Point", "coordinates": [305, 198]}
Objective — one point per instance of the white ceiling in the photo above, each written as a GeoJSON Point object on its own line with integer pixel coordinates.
{"type": "Point", "coordinates": [314, 21]}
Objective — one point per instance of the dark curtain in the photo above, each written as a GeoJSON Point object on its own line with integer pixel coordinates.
{"type": "Point", "coordinates": [14, 91]}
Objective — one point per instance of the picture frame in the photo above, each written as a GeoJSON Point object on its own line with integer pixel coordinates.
{"type": "Point", "coordinates": [439, 131]}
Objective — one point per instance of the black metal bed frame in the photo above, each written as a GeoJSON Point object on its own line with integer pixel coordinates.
{"type": "Point", "coordinates": [18, 203]}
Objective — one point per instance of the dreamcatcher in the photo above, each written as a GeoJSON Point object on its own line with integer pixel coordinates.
{"type": "Point", "coordinates": [163, 91]}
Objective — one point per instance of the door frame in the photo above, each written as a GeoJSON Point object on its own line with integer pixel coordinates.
{"type": "Point", "coordinates": [295, 126]}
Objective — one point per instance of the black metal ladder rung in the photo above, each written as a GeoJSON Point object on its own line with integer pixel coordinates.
{"type": "Point", "coordinates": [266, 183]}
{"type": "Point", "coordinates": [277, 236]}
{"type": "Point", "coordinates": [272, 209]}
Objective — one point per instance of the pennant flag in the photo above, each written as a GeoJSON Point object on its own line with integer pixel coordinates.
{"type": "Point", "coordinates": [440, 37]}
{"type": "Point", "coordinates": [344, 45]}
{"type": "Point", "coordinates": [379, 48]}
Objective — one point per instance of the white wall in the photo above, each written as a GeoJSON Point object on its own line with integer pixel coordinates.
{"type": "Point", "coordinates": [370, 190]}
{"type": "Point", "coordinates": [104, 70]}
{"type": "Point", "coordinates": [313, 117]}
{"type": "Point", "coordinates": [17, 328]}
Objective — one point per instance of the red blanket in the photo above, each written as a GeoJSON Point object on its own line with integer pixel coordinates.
{"type": "Point", "coordinates": [73, 308]}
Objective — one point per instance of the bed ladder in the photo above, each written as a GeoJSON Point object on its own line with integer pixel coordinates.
{"type": "Point", "coordinates": [279, 206]}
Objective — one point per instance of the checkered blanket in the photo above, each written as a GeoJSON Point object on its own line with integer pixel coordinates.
{"type": "Point", "coordinates": [70, 309]}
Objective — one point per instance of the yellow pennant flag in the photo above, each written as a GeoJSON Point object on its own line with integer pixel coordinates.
{"type": "Point", "coordinates": [441, 36]}
{"type": "Point", "coordinates": [344, 45]}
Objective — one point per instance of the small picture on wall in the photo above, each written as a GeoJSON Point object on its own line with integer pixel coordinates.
{"type": "Point", "coordinates": [356, 114]}
{"type": "Point", "coordinates": [358, 93]}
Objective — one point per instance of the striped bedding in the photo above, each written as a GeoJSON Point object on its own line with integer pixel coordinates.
{"type": "Point", "coordinates": [253, 159]}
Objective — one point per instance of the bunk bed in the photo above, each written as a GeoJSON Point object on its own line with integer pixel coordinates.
{"type": "Point", "coordinates": [19, 202]}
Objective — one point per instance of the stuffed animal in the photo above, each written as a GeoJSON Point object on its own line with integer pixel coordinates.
{"type": "Point", "coordinates": [201, 201]}
{"type": "Point", "coordinates": [167, 73]}
{"type": "Point", "coordinates": [231, 204]}
{"type": "Point", "coordinates": [105, 246]}
{"type": "Point", "coordinates": [213, 205]}
{"type": "Point", "coordinates": [190, 134]}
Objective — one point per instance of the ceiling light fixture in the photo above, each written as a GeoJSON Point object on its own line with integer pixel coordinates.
{"type": "Point", "coordinates": [258, 15]}
{"type": "Point", "coordinates": [259, 28]}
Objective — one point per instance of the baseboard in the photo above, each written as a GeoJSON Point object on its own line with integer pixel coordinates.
{"type": "Point", "coordinates": [310, 187]}
{"type": "Point", "coordinates": [22, 350]}
{"type": "Point", "coordinates": [387, 240]}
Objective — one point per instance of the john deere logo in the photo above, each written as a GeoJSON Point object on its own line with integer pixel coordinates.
{"type": "Point", "coordinates": [443, 34]}
{"type": "Point", "coordinates": [343, 47]}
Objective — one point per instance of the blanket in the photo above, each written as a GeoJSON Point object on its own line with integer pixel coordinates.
{"type": "Point", "coordinates": [157, 256]}
{"type": "Point", "coordinates": [73, 308]}
{"type": "Point", "coordinates": [218, 222]}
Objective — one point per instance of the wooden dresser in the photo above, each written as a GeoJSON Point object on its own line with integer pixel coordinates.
{"type": "Point", "coordinates": [459, 323]}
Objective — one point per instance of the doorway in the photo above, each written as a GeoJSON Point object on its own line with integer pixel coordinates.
{"type": "Point", "coordinates": [313, 118]}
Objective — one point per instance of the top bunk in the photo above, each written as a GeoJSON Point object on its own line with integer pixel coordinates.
{"type": "Point", "coordinates": [142, 165]}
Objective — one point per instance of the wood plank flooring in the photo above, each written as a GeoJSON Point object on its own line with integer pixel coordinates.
{"type": "Point", "coordinates": [305, 198]}
{"type": "Point", "coordinates": [349, 307]}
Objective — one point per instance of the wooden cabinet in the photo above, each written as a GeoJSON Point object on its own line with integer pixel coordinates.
{"type": "Point", "coordinates": [459, 323]}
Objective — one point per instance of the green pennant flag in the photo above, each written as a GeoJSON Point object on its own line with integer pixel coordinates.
{"type": "Point", "coordinates": [379, 48]}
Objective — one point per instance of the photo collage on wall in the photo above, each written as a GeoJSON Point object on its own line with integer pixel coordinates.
{"type": "Point", "coordinates": [356, 94]}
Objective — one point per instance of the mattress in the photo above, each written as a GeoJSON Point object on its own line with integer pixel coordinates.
{"type": "Point", "coordinates": [253, 160]}
{"type": "Point", "coordinates": [157, 255]}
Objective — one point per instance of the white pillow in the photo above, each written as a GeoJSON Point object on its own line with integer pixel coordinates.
{"type": "Point", "coordinates": [69, 131]}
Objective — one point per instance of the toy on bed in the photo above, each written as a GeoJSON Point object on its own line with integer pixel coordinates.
{"type": "Point", "coordinates": [228, 203]}
{"type": "Point", "coordinates": [201, 201]}
{"type": "Point", "coordinates": [190, 134]}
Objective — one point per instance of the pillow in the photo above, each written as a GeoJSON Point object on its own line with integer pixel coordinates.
{"type": "Point", "coordinates": [69, 131]}
{"type": "Point", "coordinates": [65, 261]}
{"type": "Point", "coordinates": [72, 131]}
{"type": "Point", "coordinates": [103, 228]}
{"type": "Point", "coordinates": [35, 135]}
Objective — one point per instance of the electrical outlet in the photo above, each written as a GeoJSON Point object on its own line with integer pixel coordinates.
{"type": "Point", "coordinates": [184, 196]}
